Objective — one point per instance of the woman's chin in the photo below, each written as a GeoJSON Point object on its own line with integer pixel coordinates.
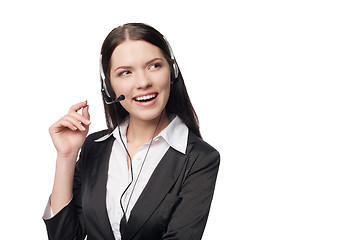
{"type": "Point", "coordinates": [147, 115]}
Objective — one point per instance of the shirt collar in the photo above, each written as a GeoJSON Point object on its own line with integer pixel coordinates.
{"type": "Point", "coordinates": [175, 134]}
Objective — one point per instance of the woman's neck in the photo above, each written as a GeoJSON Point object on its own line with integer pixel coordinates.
{"type": "Point", "coordinates": [141, 132]}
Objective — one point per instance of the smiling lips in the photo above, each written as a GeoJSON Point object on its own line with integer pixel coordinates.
{"type": "Point", "coordinates": [146, 97]}
{"type": "Point", "coordinates": [146, 100]}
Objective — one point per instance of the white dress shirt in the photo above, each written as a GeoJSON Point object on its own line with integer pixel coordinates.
{"type": "Point", "coordinates": [175, 135]}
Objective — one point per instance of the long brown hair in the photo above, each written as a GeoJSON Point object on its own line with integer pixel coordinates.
{"type": "Point", "coordinates": [179, 102]}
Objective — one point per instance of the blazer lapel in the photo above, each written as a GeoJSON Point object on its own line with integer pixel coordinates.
{"type": "Point", "coordinates": [95, 190]}
{"type": "Point", "coordinates": [160, 183]}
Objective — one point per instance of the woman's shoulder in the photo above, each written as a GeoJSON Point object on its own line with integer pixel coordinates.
{"type": "Point", "coordinates": [96, 137]}
{"type": "Point", "coordinates": [202, 155]}
{"type": "Point", "coordinates": [95, 141]}
{"type": "Point", "coordinates": [201, 146]}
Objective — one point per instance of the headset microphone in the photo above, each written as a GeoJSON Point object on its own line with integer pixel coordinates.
{"type": "Point", "coordinates": [108, 100]}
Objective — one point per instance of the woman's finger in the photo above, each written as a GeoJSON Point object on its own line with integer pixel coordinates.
{"type": "Point", "coordinates": [85, 113]}
{"type": "Point", "coordinates": [69, 124]}
{"type": "Point", "coordinates": [60, 125]}
{"type": "Point", "coordinates": [80, 117]}
{"type": "Point", "coordinates": [78, 106]}
{"type": "Point", "coordinates": [74, 122]}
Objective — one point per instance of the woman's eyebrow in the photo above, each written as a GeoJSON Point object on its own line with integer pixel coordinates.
{"type": "Point", "coordinates": [147, 63]}
{"type": "Point", "coordinates": [152, 60]}
{"type": "Point", "coordinates": [123, 67]}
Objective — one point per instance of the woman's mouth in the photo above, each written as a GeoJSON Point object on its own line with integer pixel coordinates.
{"type": "Point", "coordinates": [146, 100]}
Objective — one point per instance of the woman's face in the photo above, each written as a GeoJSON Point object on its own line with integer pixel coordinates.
{"type": "Point", "coordinates": [140, 72]}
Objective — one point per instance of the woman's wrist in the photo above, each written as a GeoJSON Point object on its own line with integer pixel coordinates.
{"type": "Point", "coordinates": [67, 157]}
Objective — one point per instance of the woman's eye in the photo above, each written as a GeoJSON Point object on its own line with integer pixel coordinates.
{"type": "Point", "coordinates": [155, 65]}
{"type": "Point", "coordinates": [124, 73]}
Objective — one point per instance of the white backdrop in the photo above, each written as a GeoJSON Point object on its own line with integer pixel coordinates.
{"type": "Point", "coordinates": [275, 85]}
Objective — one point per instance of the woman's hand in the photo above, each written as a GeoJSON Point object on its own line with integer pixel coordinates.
{"type": "Point", "coordinates": [69, 133]}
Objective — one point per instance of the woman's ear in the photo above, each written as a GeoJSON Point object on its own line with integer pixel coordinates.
{"type": "Point", "coordinates": [171, 85]}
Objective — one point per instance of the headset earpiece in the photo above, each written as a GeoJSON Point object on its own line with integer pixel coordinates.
{"type": "Point", "coordinates": [174, 65]}
{"type": "Point", "coordinates": [109, 90]}
{"type": "Point", "coordinates": [106, 89]}
{"type": "Point", "coordinates": [176, 70]}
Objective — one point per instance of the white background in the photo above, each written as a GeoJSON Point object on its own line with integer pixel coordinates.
{"type": "Point", "coordinates": [275, 85]}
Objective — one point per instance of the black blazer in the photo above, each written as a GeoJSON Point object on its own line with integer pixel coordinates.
{"type": "Point", "coordinates": [174, 204]}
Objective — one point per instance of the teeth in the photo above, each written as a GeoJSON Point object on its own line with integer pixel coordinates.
{"type": "Point", "coordinates": [144, 98]}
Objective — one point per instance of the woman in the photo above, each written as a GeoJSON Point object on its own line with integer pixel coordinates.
{"type": "Point", "coordinates": [149, 175]}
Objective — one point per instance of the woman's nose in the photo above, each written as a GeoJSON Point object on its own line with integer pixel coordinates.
{"type": "Point", "coordinates": [143, 81]}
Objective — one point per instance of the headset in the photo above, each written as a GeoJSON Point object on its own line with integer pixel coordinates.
{"type": "Point", "coordinates": [108, 93]}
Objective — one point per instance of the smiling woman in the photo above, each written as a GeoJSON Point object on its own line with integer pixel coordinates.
{"type": "Point", "coordinates": [179, 102]}
{"type": "Point", "coordinates": [140, 72]}
{"type": "Point", "coordinates": [149, 175]}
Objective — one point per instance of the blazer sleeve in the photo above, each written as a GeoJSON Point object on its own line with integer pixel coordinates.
{"type": "Point", "coordinates": [68, 223]}
{"type": "Point", "coordinates": [189, 218]}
